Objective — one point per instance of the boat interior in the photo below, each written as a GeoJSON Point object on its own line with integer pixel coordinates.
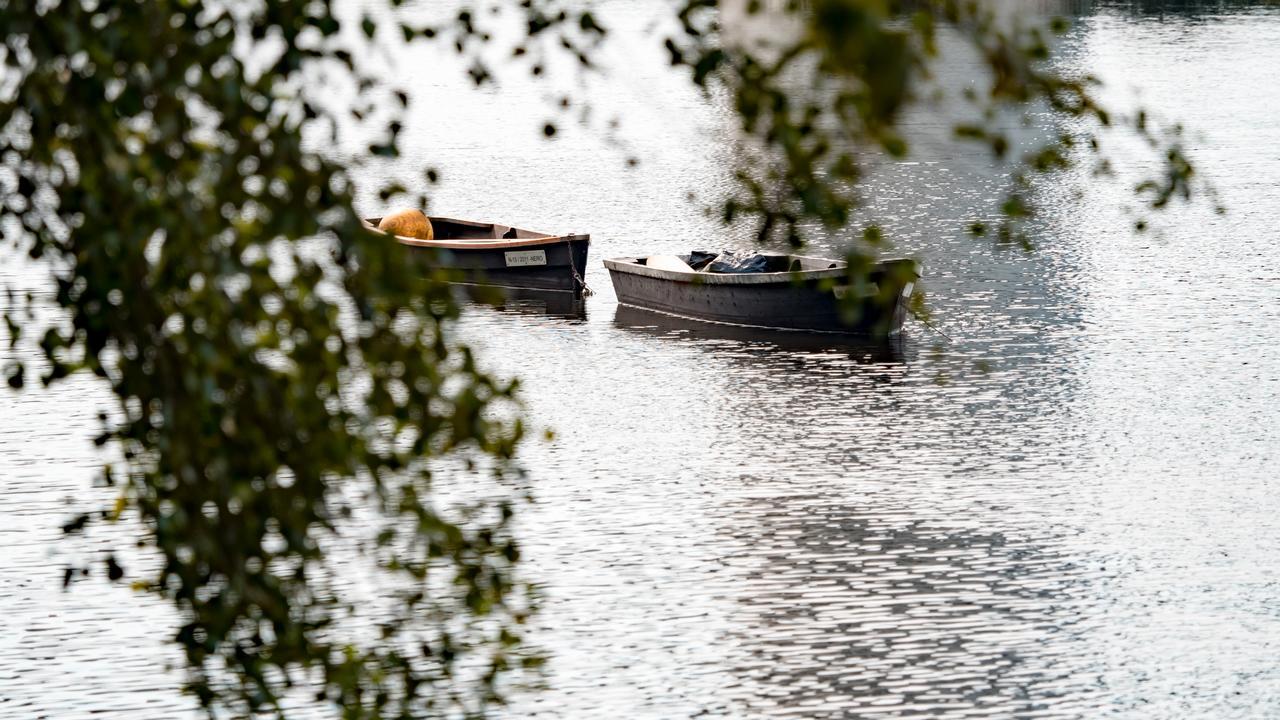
{"type": "Point", "coordinates": [699, 261]}
{"type": "Point", "coordinates": [451, 229]}
{"type": "Point", "coordinates": [447, 229]}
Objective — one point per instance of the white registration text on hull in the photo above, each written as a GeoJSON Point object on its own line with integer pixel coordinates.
{"type": "Point", "coordinates": [524, 258]}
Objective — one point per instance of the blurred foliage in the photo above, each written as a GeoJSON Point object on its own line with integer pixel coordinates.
{"type": "Point", "coordinates": [825, 97]}
{"type": "Point", "coordinates": [277, 368]}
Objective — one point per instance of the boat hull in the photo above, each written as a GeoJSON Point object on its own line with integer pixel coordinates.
{"type": "Point", "coordinates": [563, 265]}
{"type": "Point", "coordinates": [789, 302]}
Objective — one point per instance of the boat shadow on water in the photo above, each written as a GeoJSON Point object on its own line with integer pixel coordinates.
{"type": "Point", "coordinates": [859, 348]}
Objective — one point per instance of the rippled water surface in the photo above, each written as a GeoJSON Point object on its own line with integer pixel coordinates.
{"type": "Point", "coordinates": [1066, 507]}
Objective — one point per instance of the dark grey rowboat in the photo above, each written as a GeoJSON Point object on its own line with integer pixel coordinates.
{"type": "Point", "coordinates": [812, 296]}
{"type": "Point", "coordinates": [506, 257]}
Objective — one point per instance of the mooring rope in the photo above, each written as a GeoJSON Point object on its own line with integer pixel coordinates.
{"type": "Point", "coordinates": [586, 289]}
{"type": "Point", "coordinates": [929, 325]}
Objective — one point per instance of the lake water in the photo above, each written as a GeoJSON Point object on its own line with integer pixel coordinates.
{"type": "Point", "coordinates": [1066, 507]}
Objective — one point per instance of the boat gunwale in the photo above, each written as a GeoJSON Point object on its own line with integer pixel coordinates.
{"type": "Point", "coordinates": [630, 265]}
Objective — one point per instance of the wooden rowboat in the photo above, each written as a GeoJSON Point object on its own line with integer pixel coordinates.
{"type": "Point", "coordinates": [506, 257]}
{"type": "Point", "coordinates": [812, 294]}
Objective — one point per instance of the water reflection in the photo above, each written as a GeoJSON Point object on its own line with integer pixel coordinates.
{"type": "Point", "coordinates": [848, 602]}
{"type": "Point", "coordinates": [528, 303]}
{"type": "Point", "coordinates": [759, 341]}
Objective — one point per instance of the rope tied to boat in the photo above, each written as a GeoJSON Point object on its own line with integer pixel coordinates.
{"type": "Point", "coordinates": [929, 325]}
{"type": "Point", "coordinates": [586, 289]}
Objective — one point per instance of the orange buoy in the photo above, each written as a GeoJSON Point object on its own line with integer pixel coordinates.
{"type": "Point", "coordinates": [408, 223]}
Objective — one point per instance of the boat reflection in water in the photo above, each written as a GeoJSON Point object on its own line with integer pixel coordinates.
{"type": "Point", "coordinates": [861, 349]}
{"type": "Point", "coordinates": [520, 301]}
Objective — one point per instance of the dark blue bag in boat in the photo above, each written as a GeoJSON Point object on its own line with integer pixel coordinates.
{"type": "Point", "coordinates": [730, 262]}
